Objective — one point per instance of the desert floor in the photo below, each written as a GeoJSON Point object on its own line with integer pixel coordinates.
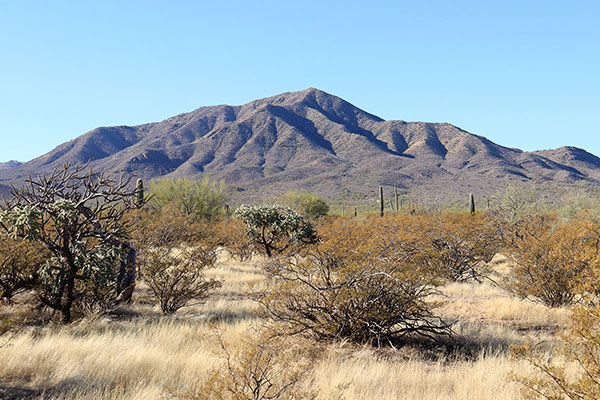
{"type": "Point", "coordinates": [137, 353]}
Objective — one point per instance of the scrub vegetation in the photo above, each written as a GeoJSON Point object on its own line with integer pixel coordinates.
{"type": "Point", "coordinates": [279, 302]}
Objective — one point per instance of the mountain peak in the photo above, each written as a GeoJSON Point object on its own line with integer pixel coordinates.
{"type": "Point", "coordinates": [313, 140]}
{"type": "Point", "coordinates": [9, 164]}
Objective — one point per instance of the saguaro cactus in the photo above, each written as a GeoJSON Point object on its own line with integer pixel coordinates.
{"type": "Point", "coordinates": [471, 203]}
{"type": "Point", "coordinates": [139, 192]}
{"type": "Point", "coordinates": [396, 198]}
{"type": "Point", "coordinates": [381, 204]}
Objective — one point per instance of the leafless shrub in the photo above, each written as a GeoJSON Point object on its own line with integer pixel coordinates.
{"type": "Point", "coordinates": [173, 254]}
{"type": "Point", "coordinates": [261, 367]}
{"type": "Point", "coordinates": [357, 284]}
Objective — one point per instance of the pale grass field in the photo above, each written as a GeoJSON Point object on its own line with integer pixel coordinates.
{"type": "Point", "coordinates": [140, 354]}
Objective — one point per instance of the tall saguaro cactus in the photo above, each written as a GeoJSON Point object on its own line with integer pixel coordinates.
{"type": "Point", "coordinates": [471, 203]}
{"type": "Point", "coordinates": [139, 193]}
{"type": "Point", "coordinates": [381, 204]}
{"type": "Point", "coordinates": [396, 198]}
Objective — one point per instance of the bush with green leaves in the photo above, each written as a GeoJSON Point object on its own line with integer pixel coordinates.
{"type": "Point", "coordinates": [204, 199]}
{"type": "Point", "coordinates": [511, 211]}
{"type": "Point", "coordinates": [274, 229]}
{"type": "Point", "coordinates": [305, 202]}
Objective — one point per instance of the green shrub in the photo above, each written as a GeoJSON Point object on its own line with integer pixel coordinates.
{"type": "Point", "coordinates": [305, 202]}
{"type": "Point", "coordinates": [511, 211]}
{"type": "Point", "coordinates": [204, 199]}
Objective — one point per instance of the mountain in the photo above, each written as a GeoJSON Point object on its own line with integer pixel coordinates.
{"type": "Point", "coordinates": [311, 140]}
{"type": "Point", "coordinates": [9, 164]}
{"type": "Point", "coordinates": [580, 159]}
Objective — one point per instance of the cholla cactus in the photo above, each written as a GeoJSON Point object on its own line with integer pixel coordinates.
{"type": "Point", "coordinates": [275, 229]}
{"type": "Point", "coordinates": [22, 222]}
{"type": "Point", "coordinates": [80, 218]}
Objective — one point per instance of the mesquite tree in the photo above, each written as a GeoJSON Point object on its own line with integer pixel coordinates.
{"type": "Point", "coordinates": [79, 216]}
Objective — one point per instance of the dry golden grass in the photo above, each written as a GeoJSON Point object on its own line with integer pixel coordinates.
{"type": "Point", "coordinates": [489, 303]}
{"type": "Point", "coordinates": [137, 353]}
{"type": "Point", "coordinates": [365, 375]}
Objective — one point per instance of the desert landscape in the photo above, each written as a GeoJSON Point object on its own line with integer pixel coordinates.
{"type": "Point", "coordinates": [136, 353]}
{"type": "Point", "coordinates": [204, 200]}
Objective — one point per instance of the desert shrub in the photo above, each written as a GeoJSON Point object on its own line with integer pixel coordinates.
{"type": "Point", "coordinates": [20, 262]}
{"type": "Point", "coordinates": [357, 283]}
{"type": "Point", "coordinates": [575, 202]}
{"type": "Point", "coordinates": [176, 276]}
{"type": "Point", "coordinates": [173, 253]}
{"type": "Point", "coordinates": [457, 245]}
{"type": "Point", "coordinates": [14, 319]}
{"type": "Point", "coordinates": [554, 265]}
{"type": "Point", "coordinates": [306, 203]}
{"type": "Point", "coordinates": [572, 370]}
{"type": "Point", "coordinates": [273, 229]}
{"type": "Point", "coordinates": [512, 211]}
{"type": "Point", "coordinates": [204, 199]}
{"type": "Point", "coordinates": [261, 367]}
{"type": "Point", "coordinates": [79, 217]}
{"type": "Point", "coordinates": [463, 244]}
{"type": "Point", "coordinates": [232, 235]}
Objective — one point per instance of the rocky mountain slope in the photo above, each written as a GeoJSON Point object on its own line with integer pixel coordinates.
{"type": "Point", "coordinates": [9, 164]}
{"type": "Point", "coordinates": [314, 140]}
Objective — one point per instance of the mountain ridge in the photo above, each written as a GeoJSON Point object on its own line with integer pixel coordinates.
{"type": "Point", "coordinates": [312, 140]}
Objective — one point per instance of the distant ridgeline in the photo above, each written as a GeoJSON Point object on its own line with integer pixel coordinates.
{"type": "Point", "coordinates": [315, 141]}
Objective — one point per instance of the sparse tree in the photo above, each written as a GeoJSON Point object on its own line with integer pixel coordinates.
{"type": "Point", "coordinates": [511, 210]}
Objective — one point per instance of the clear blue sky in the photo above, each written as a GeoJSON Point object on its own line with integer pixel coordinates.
{"type": "Point", "coordinates": [523, 73]}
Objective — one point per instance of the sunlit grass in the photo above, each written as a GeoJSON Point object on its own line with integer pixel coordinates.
{"type": "Point", "coordinates": [137, 353]}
